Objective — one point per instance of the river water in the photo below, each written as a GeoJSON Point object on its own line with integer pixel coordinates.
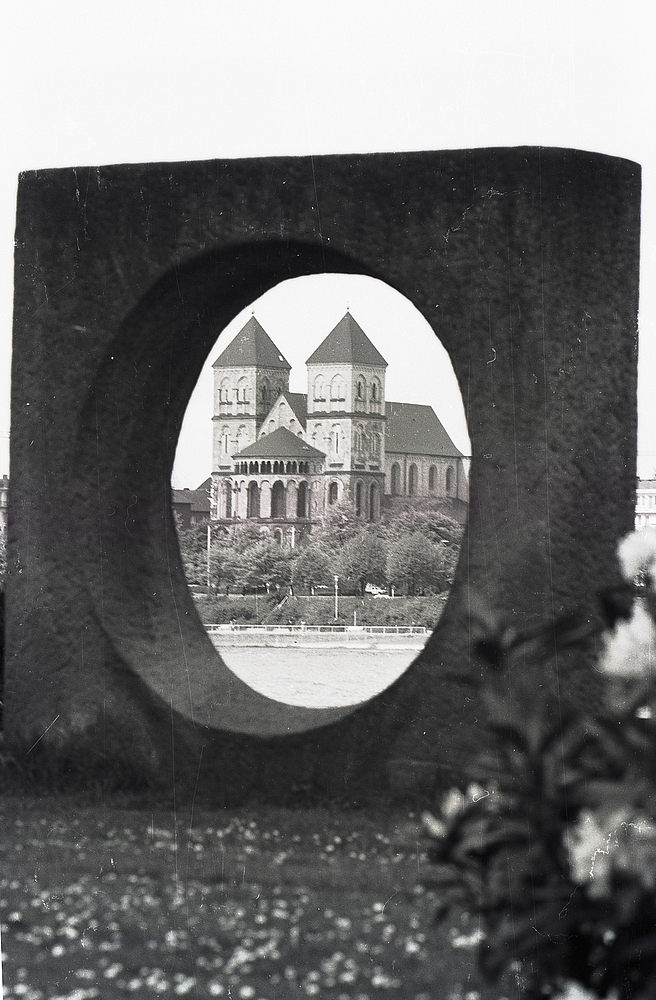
{"type": "Point", "coordinates": [318, 675]}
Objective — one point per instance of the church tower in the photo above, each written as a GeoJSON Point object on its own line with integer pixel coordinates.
{"type": "Point", "coordinates": [346, 416]}
{"type": "Point", "coordinates": [248, 377]}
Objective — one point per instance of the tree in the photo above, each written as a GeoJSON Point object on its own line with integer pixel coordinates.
{"type": "Point", "coordinates": [435, 524]}
{"type": "Point", "coordinates": [193, 548]}
{"type": "Point", "coordinates": [339, 523]}
{"type": "Point", "coordinates": [267, 564]}
{"type": "Point", "coordinates": [416, 564]}
{"type": "Point", "coordinates": [313, 565]}
{"type": "Point", "coordinates": [362, 560]}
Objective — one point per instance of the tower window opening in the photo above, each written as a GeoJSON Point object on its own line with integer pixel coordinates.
{"type": "Point", "coordinates": [373, 503]}
{"type": "Point", "coordinates": [396, 480]}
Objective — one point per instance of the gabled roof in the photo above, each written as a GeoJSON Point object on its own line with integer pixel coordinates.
{"type": "Point", "coordinates": [298, 403]}
{"type": "Point", "coordinates": [252, 347]}
{"type": "Point", "coordinates": [415, 429]}
{"type": "Point", "coordinates": [347, 344]}
{"type": "Point", "coordinates": [198, 500]}
{"type": "Point", "coordinates": [281, 443]}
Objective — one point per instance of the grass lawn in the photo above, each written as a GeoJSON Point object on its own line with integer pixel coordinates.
{"type": "Point", "coordinates": [108, 900]}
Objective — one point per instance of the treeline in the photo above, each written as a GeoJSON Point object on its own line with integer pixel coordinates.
{"type": "Point", "coordinates": [410, 551]}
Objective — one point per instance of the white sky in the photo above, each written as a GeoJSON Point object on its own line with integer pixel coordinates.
{"type": "Point", "coordinates": [86, 83]}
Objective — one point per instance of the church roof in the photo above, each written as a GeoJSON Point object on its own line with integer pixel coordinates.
{"type": "Point", "coordinates": [198, 500]}
{"type": "Point", "coordinates": [298, 403]}
{"type": "Point", "coordinates": [347, 344]}
{"type": "Point", "coordinates": [252, 347]}
{"type": "Point", "coordinates": [281, 443]}
{"type": "Point", "coordinates": [416, 430]}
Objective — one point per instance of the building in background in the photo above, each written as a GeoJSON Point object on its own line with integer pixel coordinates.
{"type": "Point", "coordinates": [645, 509]}
{"type": "Point", "coordinates": [192, 507]}
{"type": "Point", "coordinates": [4, 502]}
{"type": "Point", "coordinates": [283, 458]}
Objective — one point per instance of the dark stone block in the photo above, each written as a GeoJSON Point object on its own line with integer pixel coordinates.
{"type": "Point", "coordinates": [525, 263]}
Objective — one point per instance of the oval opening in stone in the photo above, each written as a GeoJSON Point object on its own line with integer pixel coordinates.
{"type": "Point", "coordinates": [320, 489]}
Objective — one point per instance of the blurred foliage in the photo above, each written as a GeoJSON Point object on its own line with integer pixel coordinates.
{"type": "Point", "coordinates": [553, 842]}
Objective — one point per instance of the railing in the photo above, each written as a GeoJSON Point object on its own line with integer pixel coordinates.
{"type": "Point", "coordinates": [349, 629]}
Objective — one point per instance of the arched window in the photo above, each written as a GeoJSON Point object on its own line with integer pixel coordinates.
{"type": "Point", "coordinates": [278, 500]}
{"type": "Point", "coordinates": [396, 480]}
{"type": "Point", "coordinates": [432, 476]}
{"type": "Point", "coordinates": [224, 395]}
{"type": "Point", "coordinates": [228, 499]}
{"type": "Point", "coordinates": [373, 502]}
{"type": "Point", "coordinates": [253, 500]}
{"type": "Point", "coordinates": [376, 395]}
{"type": "Point", "coordinates": [358, 499]}
{"type": "Point", "coordinates": [334, 438]}
{"type": "Point", "coordinates": [361, 389]}
{"type": "Point", "coordinates": [243, 390]}
{"type": "Point", "coordinates": [319, 390]}
{"type": "Point", "coordinates": [225, 440]}
{"type": "Point", "coordinates": [333, 493]}
{"type": "Point", "coordinates": [302, 500]}
{"type": "Point", "coordinates": [264, 393]}
{"type": "Point", "coordinates": [450, 480]}
{"type": "Point", "coordinates": [277, 534]}
{"type": "Point", "coordinates": [413, 480]}
{"type": "Point", "coordinates": [337, 393]}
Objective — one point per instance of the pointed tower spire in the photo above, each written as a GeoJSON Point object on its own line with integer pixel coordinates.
{"type": "Point", "coordinates": [347, 344]}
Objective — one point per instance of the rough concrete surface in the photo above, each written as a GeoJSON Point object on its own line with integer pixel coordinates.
{"type": "Point", "coordinates": [524, 261]}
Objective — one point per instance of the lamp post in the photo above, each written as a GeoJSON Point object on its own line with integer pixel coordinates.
{"type": "Point", "coordinates": [336, 597]}
{"type": "Point", "coordinates": [209, 552]}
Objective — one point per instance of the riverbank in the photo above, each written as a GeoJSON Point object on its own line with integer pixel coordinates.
{"type": "Point", "coordinates": [318, 637]}
{"type": "Point", "coordinates": [253, 609]}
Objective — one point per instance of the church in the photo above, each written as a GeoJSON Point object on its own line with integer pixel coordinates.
{"type": "Point", "coordinates": [282, 458]}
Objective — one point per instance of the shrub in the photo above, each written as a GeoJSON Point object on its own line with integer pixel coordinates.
{"type": "Point", "coordinates": [554, 840]}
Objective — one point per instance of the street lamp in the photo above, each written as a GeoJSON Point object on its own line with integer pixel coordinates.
{"type": "Point", "coordinates": [336, 597]}
{"type": "Point", "coordinates": [209, 552]}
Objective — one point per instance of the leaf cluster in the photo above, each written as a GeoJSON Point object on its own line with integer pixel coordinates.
{"type": "Point", "coordinates": [557, 849]}
{"type": "Point", "coordinates": [413, 551]}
